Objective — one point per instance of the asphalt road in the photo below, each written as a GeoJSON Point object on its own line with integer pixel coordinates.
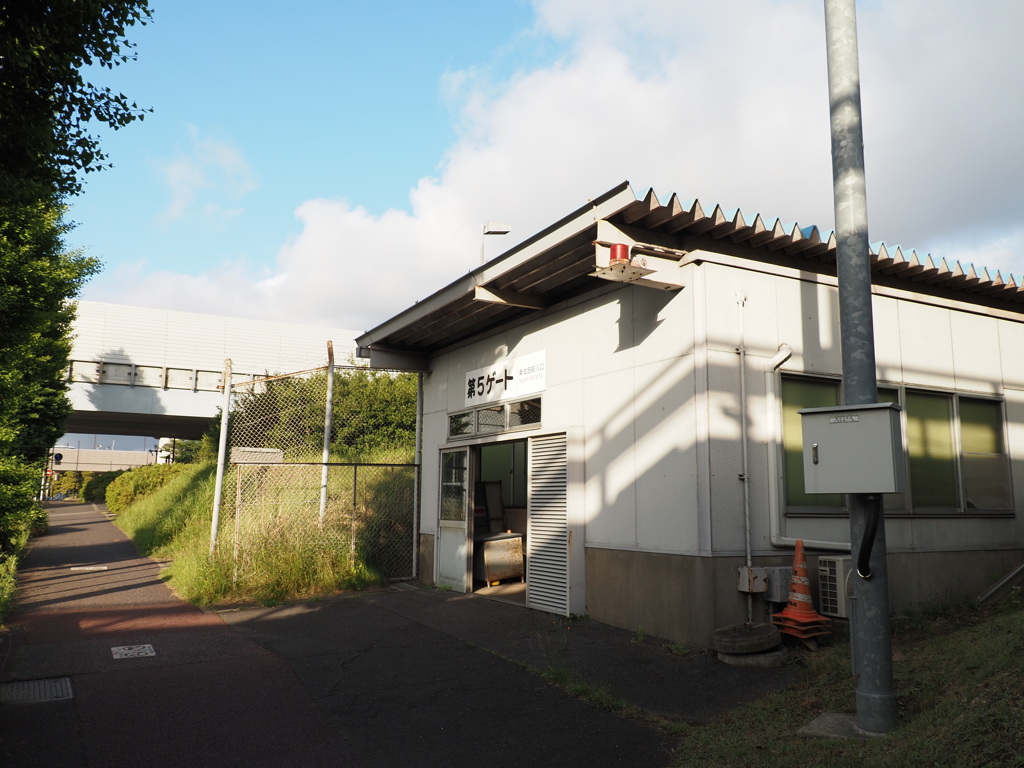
{"type": "Point", "coordinates": [388, 678]}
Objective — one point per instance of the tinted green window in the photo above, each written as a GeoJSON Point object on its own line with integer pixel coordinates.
{"type": "Point", "coordinates": [985, 465]}
{"type": "Point", "coordinates": [930, 450]}
{"type": "Point", "coordinates": [891, 501]}
{"type": "Point", "coordinates": [797, 394]}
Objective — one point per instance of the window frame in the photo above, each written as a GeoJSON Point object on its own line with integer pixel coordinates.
{"type": "Point", "coordinates": [478, 429]}
{"type": "Point", "coordinates": [903, 505]}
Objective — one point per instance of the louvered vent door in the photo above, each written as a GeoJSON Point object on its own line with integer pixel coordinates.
{"type": "Point", "coordinates": [547, 538]}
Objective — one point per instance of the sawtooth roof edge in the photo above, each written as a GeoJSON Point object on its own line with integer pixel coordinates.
{"type": "Point", "coordinates": [446, 310]}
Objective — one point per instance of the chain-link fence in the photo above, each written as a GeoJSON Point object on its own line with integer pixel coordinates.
{"type": "Point", "coordinates": [318, 481]}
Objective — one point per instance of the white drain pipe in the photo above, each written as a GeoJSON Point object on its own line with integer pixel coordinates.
{"type": "Point", "coordinates": [741, 350]}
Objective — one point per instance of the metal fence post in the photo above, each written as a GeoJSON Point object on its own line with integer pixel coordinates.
{"type": "Point", "coordinates": [238, 525]}
{"type": "Point", "coordinates": [327, 431]}
{"type": "Point", "coordinates": [221, 455]}
{"type": "Point", "coordinates": [352, 518]}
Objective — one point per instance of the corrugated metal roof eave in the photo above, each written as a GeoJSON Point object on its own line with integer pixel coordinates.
{"type": "Point", "coordinates": [544, 266]}
{"type": "Point", "coordinates": [575, 223]}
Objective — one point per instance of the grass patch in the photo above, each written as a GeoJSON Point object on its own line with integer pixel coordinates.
{"type": "Point", "coordinates": [173, 523]}
{"type": "Point", "coordinates": [596, 695]}
{"type": "Point", "coordinates": [960, 685]}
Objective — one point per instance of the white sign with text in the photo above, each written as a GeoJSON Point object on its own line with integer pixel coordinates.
{"type": "Point", "coordinates": [506, 379]}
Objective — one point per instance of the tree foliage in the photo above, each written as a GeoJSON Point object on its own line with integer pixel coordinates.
{"type": "Point", "coordinates": [201, 451]}
{"type": "Point", "coordinates": [37, 276]}
{"type": "Point", "coordinates": [374, 416]}
{"type": "Point", "coordinates": [46, 105]}
{"type": "Point", "coordinates": [374, 410]}
{"type": "Point", "coordinates": [46, 110]}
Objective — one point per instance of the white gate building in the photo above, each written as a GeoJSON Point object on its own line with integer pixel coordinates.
{"type": "Point", "coordinates": [629, 379]}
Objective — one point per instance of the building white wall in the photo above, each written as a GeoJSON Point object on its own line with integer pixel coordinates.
{"type": "Point", "coordinates": [158, 337]}
{"type": "Point", "coordinates": [616, 368]}
{"type": "Point", "coordinates": [924, 345]}
{"type": "Point", "coordinates": [99, 460]}
{"type": "Point", "coordinates": [652, 381]}
{"type": "Point", "coordinates": [623, 368]}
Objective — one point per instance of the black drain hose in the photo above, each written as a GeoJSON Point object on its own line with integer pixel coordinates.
{"type": "Point", "coordinates": [868, 542]}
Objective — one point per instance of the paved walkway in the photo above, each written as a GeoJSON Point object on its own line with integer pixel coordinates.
{"type": "Point", "coordinates": [384, 678]}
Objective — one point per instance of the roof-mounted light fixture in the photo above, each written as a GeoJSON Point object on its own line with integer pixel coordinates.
{"type": "Point", "coordinates": [649, 265]}
{"type": "Point", "coordinates": [491, 228]}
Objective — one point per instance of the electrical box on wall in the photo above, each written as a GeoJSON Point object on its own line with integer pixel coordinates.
{"type": "Point", "coordinates": [853, 449]}
{"type": "Point", "coordinates": [780, 580]}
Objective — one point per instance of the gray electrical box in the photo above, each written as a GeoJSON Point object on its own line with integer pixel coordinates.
{"type": "Point", "coordinates": [853, 449]}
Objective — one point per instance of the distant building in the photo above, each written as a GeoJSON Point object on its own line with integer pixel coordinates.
{"type": "Point", "coordinates": [99, 460]}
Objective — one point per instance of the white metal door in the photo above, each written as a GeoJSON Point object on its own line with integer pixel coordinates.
{"type": "Point", "coordinates": [454, 556]}
{"type": "Point", "coordinates": [547, 538]}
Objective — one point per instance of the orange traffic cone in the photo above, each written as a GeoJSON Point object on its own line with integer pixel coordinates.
{"type": "Point", "coordinates": [798, 618]}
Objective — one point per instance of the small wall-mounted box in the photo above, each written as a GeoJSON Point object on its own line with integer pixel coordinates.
{"type": "Point", "coordinates": [853, 449]}
{"type": "Point", "coordinates": [780, 580]}
{"type": "Point", "coordinates": [752, 579]}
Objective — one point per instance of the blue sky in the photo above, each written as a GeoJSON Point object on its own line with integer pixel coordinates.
{"type": "Point", "coordinates": [256, 111]}
{"type": "Point", "coordinates": [332, 162]}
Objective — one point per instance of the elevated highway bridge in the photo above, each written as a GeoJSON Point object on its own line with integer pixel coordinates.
{"type": "Point", "coordinates": [157, 373]}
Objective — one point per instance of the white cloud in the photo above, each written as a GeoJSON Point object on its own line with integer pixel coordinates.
{"type": "Point", "coordinates": [722, 101]}
{"type": "Point", "coordinates": [997, 250]}
{"type": "Point", "coordinates": [205, 181]}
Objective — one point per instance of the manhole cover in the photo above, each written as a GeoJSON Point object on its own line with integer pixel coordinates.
{"type": "Point", "coordinates": [36, 691]}
{"type": "Point", "coordinates": [132, 651]}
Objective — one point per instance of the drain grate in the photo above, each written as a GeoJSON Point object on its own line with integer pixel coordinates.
{"type": "Point", "coordinates": [36, 691]}
{"type": "Point", "coordinates": [132, 651]}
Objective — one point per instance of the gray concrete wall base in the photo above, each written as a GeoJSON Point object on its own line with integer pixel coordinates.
{"type": "Point", "coordinates": [685, 598]}
{"type": "Point", "coordinates": [668, 596]}
{"type": "Point", "coordinates": [426, 559]}
{"type": "Point", "coordinates": [933, 578]}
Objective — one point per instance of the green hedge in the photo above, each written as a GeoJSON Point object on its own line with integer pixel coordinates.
{"type": "Point", "coordinates": [21, 516]}
{"type": "Point", "coordinates": [134, 484]}
{"type": "Point", "coordinates": [94, 485]}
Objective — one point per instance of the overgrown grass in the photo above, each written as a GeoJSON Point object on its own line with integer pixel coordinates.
{"type": "Point", "coordinates": [173, 523]}
{"type": "Point", "coordinates": [960, 685]}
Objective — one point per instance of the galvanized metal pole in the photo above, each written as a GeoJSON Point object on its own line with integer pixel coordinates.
{"type": "Point", "coordinates": [870, 629]}
{"type": "Point", "coordinates": [328, 413]}
{"type": "Point", "coordinates": [218, 490]}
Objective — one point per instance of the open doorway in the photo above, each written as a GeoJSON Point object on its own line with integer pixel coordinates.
{"type": "Point", "coordinates": [500, 521]}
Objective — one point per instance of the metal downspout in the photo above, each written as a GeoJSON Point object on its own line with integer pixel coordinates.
{"type": "Point", "coordinates": [741, 350]}
{"type": "Point", "coordinates": [418, 461]}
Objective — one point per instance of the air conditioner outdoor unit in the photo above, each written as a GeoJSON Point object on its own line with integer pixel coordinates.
{"type": "Point", "coordinates": [833, 581]}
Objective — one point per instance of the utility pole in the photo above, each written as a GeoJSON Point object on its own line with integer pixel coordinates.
{"type": "Point", "coordinates": [870, 629]}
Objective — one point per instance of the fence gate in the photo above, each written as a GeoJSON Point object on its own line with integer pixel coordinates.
{"type": "Point", "coordinates": [292, 498]}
